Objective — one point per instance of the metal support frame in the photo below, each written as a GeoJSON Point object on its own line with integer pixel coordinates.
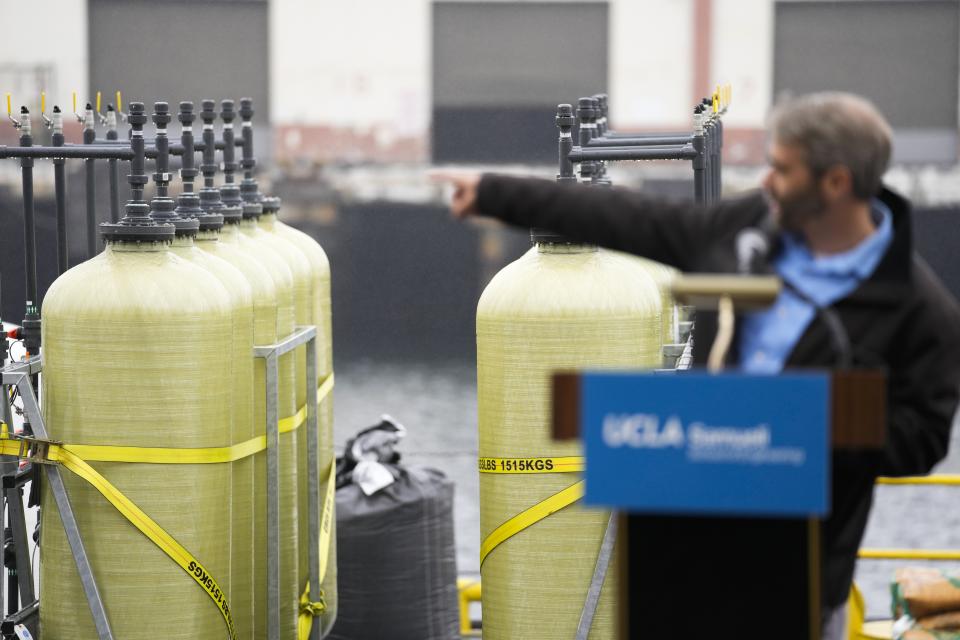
{"type": "Point", "coordinates": [19, 375]}
{"type": "Point", "coordinates": [271, 353]}
{"type": "Point", "coordinates": [13, 494]}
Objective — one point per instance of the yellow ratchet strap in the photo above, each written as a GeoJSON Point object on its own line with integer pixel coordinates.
{"type": "Point", "coordinates": [566, 464]}
{"type": "Point", "coordinates": [74, 457]}
{"type": "Point", "coordinates": [530, 517]}
{"type": "Point", "coordinates": [53, 452]}
{"type": "Point", "coordinates": [309, 609]}
{"type": "Point", "coordinates": [209, 455]}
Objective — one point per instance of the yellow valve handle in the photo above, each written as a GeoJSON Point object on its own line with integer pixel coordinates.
{"type": "Point", "coordinates": [9, 107]}
{"type": "Point", "coordinates": [119, 105]}
{"type": "Point", "coordinates": [74, 101]}
{"type": "Point", "coordinates": [716, 103]}
{"type": "Point", "coordinates": [98, 102]}
{"type": "Point", "coordinates": [43, 102]}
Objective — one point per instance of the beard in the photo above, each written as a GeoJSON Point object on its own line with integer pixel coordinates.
{"type": "Point", "coordinates": [794, 210]}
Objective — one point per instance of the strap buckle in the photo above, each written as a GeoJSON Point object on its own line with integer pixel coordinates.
{"type": "Point", "coordinates": [37, 450]}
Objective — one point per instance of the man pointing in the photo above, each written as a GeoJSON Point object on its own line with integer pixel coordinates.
{"type": "Point", "coordinates": [855, 294]}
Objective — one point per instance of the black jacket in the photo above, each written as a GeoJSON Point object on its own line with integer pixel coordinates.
{"type": "Point", "coordinates": [901, 319]}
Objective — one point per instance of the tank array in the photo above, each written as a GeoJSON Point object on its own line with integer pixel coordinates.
{"type": "Point", "coordinates": [149, 345]}
{"type": "Point", "coordinates": [567, 306]}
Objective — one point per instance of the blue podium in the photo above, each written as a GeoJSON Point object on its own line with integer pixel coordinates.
{"type": "Point", "coordinates": [723, 484]}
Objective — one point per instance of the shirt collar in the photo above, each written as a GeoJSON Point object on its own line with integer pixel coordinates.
{"type": "Point", "coordinates": [859, 261]}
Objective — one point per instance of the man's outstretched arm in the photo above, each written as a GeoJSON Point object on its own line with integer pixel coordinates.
{"type": "Point", "coordinates": [620, 219]}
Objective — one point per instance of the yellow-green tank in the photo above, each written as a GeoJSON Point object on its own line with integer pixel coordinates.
{"type": "Point", "coordinates": [272, 264]}
{"type": "Point", "coordinates": [241, 402]}
{"type": "Point", "coordinates": [663, 276]}
{"type": "Point", "coordinates": [223, 244]}
{"type": "Point", "coordinates": [138, 347]}
{"type": "Point", "coordinates": [560, 307]}
{"type": "Point", "coordinates": [320, 317]}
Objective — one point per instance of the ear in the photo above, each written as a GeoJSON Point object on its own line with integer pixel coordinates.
{"type": "Point", "coordinates": [837, 182]}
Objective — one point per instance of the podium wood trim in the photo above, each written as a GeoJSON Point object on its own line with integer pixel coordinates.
{"type": "Point", "coordinates": [858, 408]}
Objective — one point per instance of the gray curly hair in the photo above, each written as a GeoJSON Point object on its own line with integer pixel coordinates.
{"type": "Point", "coordinates": [835, 128]}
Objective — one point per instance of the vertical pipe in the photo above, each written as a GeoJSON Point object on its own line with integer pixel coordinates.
{"type": "Point", "coordinates": [60, 191]}
{"type": "Point", "coordinates": [603, 123]}
{"type": "Point", "coordinates": [600, 169]}
{"type": "Point", "coordinates": [89, 135]}
{"type": "Point", "coordinates": [227, 114]}
{"type": "Point", "coordinates": [565, 122]}
{"type": "Point", "coordinates": [586, 127]}
{"type": "Point", "coordinates": [719, 158]}
{"type": "Point", "coordinates": [188, 204]}
{"type": "Point", "coordinates": [249, 189]}
{"type": "Point", "coordinates": [699, 162]}
{"type": "Point", "coordinates": [137, 177]}
{"type": "Point", "coordinates": [114, 170]}
{"type": "Point", "coordinates": [29, 228]}
{"type": "Point", "coordinates": [210, 200]}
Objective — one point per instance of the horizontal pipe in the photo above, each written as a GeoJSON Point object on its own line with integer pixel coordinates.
{"type": "Point", "coordinates": [678, 152]}
{"type": "Point", "coordinates": [945, 479]}
{"type": "Point", "coordinates": [909, 554]}
{"type": "Point", "coordinates": [85, 151]}
{"type": "Point", "coordinates": [668, 134]}
{"type": "Point", "coordinates": [640, 141]}
{"type": "Point", "coordinates": [150, 142]}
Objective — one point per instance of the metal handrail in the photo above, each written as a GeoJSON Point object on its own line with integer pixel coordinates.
{"type": "Point", "coordinates": [946, 480]}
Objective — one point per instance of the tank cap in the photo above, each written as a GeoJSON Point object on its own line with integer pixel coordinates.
{"type": "Point", "coordinates": [271, 204]}
{"type": "Point", "coordinates": [231, 213]}
{"type": "Point", "coordinates": [545, 236]}
{"type": "Point", "coordinates": [137, 228]}
{"type": "Point", "coordinates": [230, 194]}
{"type": "Point", "coordinates": [210, 221]}
{"type": "Point", "coordinates": [252, 210]}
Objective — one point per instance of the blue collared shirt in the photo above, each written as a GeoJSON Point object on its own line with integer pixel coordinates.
{"type": "Point", "coordinates": [768, 337]}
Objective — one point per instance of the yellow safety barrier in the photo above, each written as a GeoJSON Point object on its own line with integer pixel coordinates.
{"type": "Point", "coordinates": [946, 480]}
{"type": "Point", "coordinates": [69, 456]}
{"type": "Point", "coordinates": [468, 590]}
{"type": "Point", "coordinates": [882, 629]}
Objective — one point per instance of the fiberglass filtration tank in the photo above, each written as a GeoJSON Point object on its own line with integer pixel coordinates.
{"type": "Point", "coordinates": [242, 404]}
{"type": "Point", "coordinates": [559, 307]}
{"type": "Point", "coordinates": [303, 314]}
{"type": "Point", "coordinates": [267, 258]}
{"type": "Point", "coordinates": [663, 276]}
{"type": "Point", "coordinates": [219, 239]}
{"type": "Point", "coordinates": [137, 352]}
{"type": "Point", "coordinates": [321, 317]}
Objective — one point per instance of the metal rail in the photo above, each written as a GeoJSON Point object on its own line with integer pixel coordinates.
{"type": "Point", "coordinates": [18, 375]}
{"type": "Point", "coordinates": [301, 336]}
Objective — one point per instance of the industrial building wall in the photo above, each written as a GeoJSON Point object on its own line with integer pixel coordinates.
{"type": "Point", "coordinates": [144, 49]}
{"type": "Point", "coordinates": [357, 82]}
{"type": "Point", "coordinates": [903, 55]}
{"type": "Point", "coordinates": [499, 70]}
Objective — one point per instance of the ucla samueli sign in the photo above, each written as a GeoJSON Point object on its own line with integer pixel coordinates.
{"type": "Point", "coordinates": [710, 444]}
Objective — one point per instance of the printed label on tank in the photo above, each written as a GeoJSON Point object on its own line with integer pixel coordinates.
{"type": "Point", "coordinates": [564, 464]}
